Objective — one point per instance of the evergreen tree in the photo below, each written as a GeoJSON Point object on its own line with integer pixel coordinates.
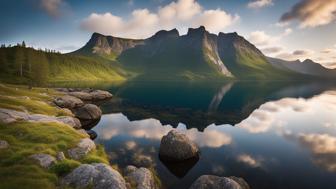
{"type": "Point", "coordinates": [19, 61]}
{"type": "Point", "coordinates": [23, 44]}
{"type": "Point", "coordinates": [40, 69]}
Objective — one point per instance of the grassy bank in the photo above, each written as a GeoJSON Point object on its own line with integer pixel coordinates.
{"type": "Point", "coordinates": [17, 170]}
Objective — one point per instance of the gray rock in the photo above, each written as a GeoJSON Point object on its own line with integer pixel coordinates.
{"type": "Point", "coordinates": [142, 178]}
{"type": "Point", "coordinates": [88, 112]}
{"type": "Point", "coordinates": [81, 95]}
{"type": "Point", "coordinates": [82, 149]}
{"type": "Point", "coordinates": [243, 184]}
{"type": "Point", "coordinates": [44, 160]}
{"type": "Point", "coordinates": [60, 156]}
{"type": "Point", "coordinates": [96, 176]}
{"type": "Point", "coordinates": [3, 144]}
{"type": "Point", "coordinates": [176, 147]}
{"type": "Point", "coordinates": [100, 95]}
{"type": "Point", "coordinates": [68, 101]}
{"type": "Point", "coordinates": [9, 116]}
{"type": "Point", "coordinates": [215, 182]}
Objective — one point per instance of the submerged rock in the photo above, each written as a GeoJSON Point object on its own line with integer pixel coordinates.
{"type": "Point", "coordinates": [44, 160]}
{"type": "Point", "coordinates": [141, 178]}
{"type": "Point", "coordinates": [68, 101]}
{"type": "Point", "coordinates": [3, 144]}
{"type": "Point", "coordinates": [176, 146]}
{"type": "Point", "coordinates": [216, 182]}
{"type": "Point", "coordinates": [96, 176]}
{"type": "Point", "coordinates": [82, 149]}
{"type": "Point", "coordinates": [93, 135]}
{"type": "Point", "coordinates": [88, 112]}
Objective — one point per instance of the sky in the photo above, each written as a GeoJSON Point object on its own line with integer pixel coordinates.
{"type": "Point", "coordinates": [287, 29]}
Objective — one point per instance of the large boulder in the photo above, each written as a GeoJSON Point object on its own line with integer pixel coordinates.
{"type": "Point", "coordinates": [68, 101]}
{"type": "Point", "coordinates": [82, 149]}
{"type": "Point", "coordinates": [88, 112]}
{"type": "Point", "coordinates": [81, 95]}
{"type": "Point", "coordinates": [140, 178]}
{"type": "Point", "coordinates": [96, 176]}
{"type": "Point", "coordinates": [44, 160]}
{"type": "Point", "coordinates": [3, 144]}
{"type": "Point", "coordinates": [176, 146]}
{"type": "Point", "coordinates": [216, 182]}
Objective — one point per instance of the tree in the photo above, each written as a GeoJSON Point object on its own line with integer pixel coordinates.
{"type": "Point", "coordinates": [19, 61]}
{"type": "Point", "coordinates": [39, 68]}
{"type": "Point", "coordinates": [23, 44]}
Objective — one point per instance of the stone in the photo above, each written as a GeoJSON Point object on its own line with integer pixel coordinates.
{"type": "Point", "coordinates": [9, 116]}
{"type": "Point", "coordinates": [44, 160]}
{"type": "Point", "coordinates": [100, 95]}
{"type": "Point", "coordinates": [81, 95]}
{"type": "Point", "coordinates": [142, 177]}
{"type": "Point", "coordinates": [60, 156]}
{"type": "Point", "coordinates": [243, 184]}
{"type": "Point", "coordinates": [68, 101]}
{"type": "Point", "coordinates": [82, 149]}
{"type": "Point", "coordinates": [96, 176]}
{"type": "Point", "coordinates": [176, 146]}
{"type": "Point", "coordinates": [88, 112]}
{"type": "Point", "coordinates": [3, 144]}
{"type": "Point", "coordinates": [93, 135]}
{"type": "Point", "coordinates": [216, 182]}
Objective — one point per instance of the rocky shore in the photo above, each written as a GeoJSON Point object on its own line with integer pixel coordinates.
{"type": "Point", "coordinates": [81, 114]}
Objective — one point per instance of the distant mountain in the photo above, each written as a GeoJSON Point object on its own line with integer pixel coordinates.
{"type": "Point", "coordinates": [196, 55]}
{"type": "Point", "coordinates": [307, 67]}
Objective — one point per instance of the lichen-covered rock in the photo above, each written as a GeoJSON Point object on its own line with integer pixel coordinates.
{"type": "Point", "coordinates": [215, 182]}
{"type": "Point", "coordinates": [96, 176]}
{"type": "Point", "coordinates": [44, 160]}
{"type": "Point", "coordinates": [9, 116]}
{"type": "Point", "coordinates": [3, 144]}
{"type": "Point", "coordinates": [68, 101]}
{"type": "Point", "coordinates": [142, 178]}
{"type": "Point", "coordinates": [82, 149]}
{"type": "Point", "coordinates": [176, 146]}
{"type": "Point", "coordinates": [88, 112]}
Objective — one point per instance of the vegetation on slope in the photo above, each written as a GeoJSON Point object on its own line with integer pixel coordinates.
{"type": "Point", "coordinates": [17, 170]}
{"type": "Point", "coordinates": [36, 67]}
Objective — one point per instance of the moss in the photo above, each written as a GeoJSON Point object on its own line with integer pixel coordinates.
{"type": "Point", "coordinates": [63, 167]}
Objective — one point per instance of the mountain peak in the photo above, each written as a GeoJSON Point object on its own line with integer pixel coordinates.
{"type": "Point", "coordinates": [165, 34]}
{"type": "Point", "coordinates": [199, 30]}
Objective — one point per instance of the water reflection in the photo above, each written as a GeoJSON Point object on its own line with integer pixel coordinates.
{"type": "Point", "coordinates": [284, 143]}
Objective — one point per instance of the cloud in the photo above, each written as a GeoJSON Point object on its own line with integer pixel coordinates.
{"type": "Point", "coordinates": [259, 4]}
{"type": "Point", "coordinates": [52, 7]}
{"type": "Point", "coordinates": [260, 38]}
{"type": "Point", "coordinates": [271, 50]}
{"type": "Point", "coordinates": [249, 160]}
{"type": "Point", "coordinates": [311, 13]}
{"type": "Point", "coordinates": [297, 54]}
{"type": "Point", "coordinates": [143, 23]}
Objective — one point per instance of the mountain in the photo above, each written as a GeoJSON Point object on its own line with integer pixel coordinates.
{"type": "Point", "coordinates": [197, 55]}
{"type": "Point", "coordinates": [307, 67]}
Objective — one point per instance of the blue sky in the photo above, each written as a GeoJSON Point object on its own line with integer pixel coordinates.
{"type": "Point", "coordinates": [289, 29]}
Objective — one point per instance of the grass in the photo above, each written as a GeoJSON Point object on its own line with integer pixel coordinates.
{"type": "Point", "coordinates": [17, 170]}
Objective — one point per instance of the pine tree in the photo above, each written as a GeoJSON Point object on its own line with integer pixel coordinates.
{"type": "Point", "coordinates": [23, 44]}
{"type": "Point", "coordinates": [19, 61]}
{"type": "Point", "coordinates": [40, 68]}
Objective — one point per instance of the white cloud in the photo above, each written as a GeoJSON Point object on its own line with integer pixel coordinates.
{"type": "Point", "coordinates": [249, 160]}
{"type": "Point", "coordinates": [143, 23]}
{"type": "Point", "coordinates": [256, 4]}
{"type": "Point", "coordinates": [261, 38]}
{"type": "Point", "coordinates": [311, 13]}
{"type": "Point", "coordinates": [297, 55]}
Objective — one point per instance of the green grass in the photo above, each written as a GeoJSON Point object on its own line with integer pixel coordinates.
{"type": "Point", "coordinates": [17, 170]}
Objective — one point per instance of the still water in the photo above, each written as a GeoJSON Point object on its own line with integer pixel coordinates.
{"type": "Point", "coordinates": [272, 134]}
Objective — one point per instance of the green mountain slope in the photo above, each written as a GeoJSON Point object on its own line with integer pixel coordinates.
{"type": "Point", "coordinates": [27, 65]}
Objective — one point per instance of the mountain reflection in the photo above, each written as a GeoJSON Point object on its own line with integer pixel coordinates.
{"type": "Point", "coordinates": [198, 105]}
{"type": "Point", "coordinates": [283, 141]}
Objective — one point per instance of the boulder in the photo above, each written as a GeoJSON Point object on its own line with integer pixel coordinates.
{"type": "Point", "coordinates": [215, 182]}
{"type": "Point", "coordinates": [68, 101]}
{"type": "Point", "coordinates": [100, 95]}
{"type": "Point", "coordinates": [82, 149]}
{"type": "Point", "coordinates": [176, 146]}
{"type": "Point", "coordinates": [93, 135]}
{"type": "Point", "coordinates": [140, 178]}
{"type": "Point", "coordinates": [44, 160]}
{"type": "Point", "coordinates": [96, 176]}
{"type": "Point", "coordinates": [88, 112]}
{"type": "Point", "coordinates": [3, 144]}
{"type": "Point", "coordinates": [9, 116]}
{"type": "Point", "coordinates": [73, 122]}
{"type": "Point", "coordinates": [81, 95]}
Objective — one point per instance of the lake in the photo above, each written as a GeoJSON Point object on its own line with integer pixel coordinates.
{"type": "Point", "coordinates": [272, 134]}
